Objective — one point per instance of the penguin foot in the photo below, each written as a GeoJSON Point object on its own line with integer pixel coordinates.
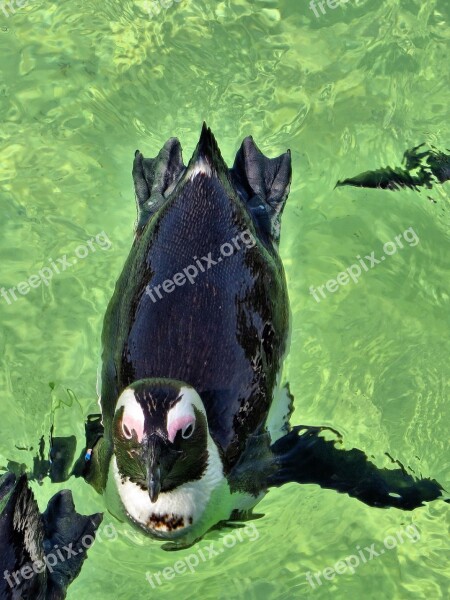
{"type": "Point", "coordinates": [303, 456]}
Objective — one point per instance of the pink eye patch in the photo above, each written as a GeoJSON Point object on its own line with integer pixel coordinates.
{"type": "Point", "coordinates": [129, 424]}
{"type": "Point", "coordinates": [180, 423]}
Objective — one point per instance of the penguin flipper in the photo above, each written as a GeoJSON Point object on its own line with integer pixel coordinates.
{"type": "Point", "coordinates": [65, 528]}
{"type": "Point", "coordinates": [385, 179]}
{"type": "Point", "coordinates": [421, 169]}
{"type": "Point", "coordinates": [303, 456]}
{"type": "Point", "coordinates": [27, 538]}
{"type": "Point", "coordinates": [21, 538]}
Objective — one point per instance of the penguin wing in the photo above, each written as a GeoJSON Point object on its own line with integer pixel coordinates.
{"type": "Point", "coordinates": [21, 539]}
{"type": "Point", "coordinates": [65, 528]}
{"type": "Point", "coordinates": [421, 169]}
{"type": "Point", "coordinates": [305, 456]}
{"type": "Point", "coordinates": [27, 537]}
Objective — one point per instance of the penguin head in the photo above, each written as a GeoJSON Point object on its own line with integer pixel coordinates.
{"type": "Point", "coordinates": [166, 463]}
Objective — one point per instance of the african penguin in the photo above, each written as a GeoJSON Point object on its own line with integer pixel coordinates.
{"type": "Point", "coordinates": [196, 424]}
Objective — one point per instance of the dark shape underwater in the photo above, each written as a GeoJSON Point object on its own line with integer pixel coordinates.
{"type": "Point", "coordinates": [27, 537]}
{"type": "Point", "coordinates": [420, 169]}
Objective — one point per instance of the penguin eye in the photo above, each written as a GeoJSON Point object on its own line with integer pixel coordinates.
{"type": "Point", "coordinates": [126, 431]}
{"type": "Point", "coordinates": [187, 431]}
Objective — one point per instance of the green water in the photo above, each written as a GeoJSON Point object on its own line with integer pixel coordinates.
{"type": "Point", "coordinates": [85, 83]}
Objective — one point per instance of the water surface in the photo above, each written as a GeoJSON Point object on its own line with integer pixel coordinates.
{"type": "Point", "coordinates": [82, 85]}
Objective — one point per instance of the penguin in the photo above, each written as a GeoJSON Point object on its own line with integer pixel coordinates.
{"type": "Point", "coordinates": [194, 412]}
{"type": "Point", "coordinates": [27, 539]}
{"type": "Point", "coordinates": [420, 169]}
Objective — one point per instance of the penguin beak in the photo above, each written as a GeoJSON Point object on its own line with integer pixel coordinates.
{"type": "Point", "coordinates": [154, 468]}
{"type": "Point", "coordinates": [161, 458]}
{"type": "Point", "coordinates": [154, 483]}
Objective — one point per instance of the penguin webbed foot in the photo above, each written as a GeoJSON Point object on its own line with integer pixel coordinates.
{"type": "Point", "coordinates": [153, 177]}
{"type": "Point", "coordinates": [263, 184]}
{"type": "Point", "coordinates": [303, 456]}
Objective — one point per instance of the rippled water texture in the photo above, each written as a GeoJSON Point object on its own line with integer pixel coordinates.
{"type": "Point", "coordinates": [85, 83]}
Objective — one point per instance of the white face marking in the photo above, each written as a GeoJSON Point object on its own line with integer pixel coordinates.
{"type": "Point", "coordinates": [133, 415]}
{"type": "Point", "coordinates": [182, 416]}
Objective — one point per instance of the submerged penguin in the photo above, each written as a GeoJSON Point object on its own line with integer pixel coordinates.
{"type": "Point", "coordinates": [420, 169]}
{"type": "Point", "coordinates": [40, 555]}
{"type": "Point", "coordinates": [195, 420]}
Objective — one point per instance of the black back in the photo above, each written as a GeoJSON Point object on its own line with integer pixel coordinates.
{"type": "Point", "coordinates": [225, 334]}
